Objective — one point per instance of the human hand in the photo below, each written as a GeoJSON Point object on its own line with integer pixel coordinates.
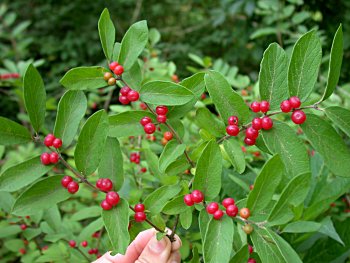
{"type": "Point", "coordinates": [147, 249]}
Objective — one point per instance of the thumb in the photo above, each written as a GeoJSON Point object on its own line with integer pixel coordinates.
{"type": "Point", "coordinates": [155, 251]}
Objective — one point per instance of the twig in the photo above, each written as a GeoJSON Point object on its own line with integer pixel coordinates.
{"type": "Point", "coordinates": [108, 100]}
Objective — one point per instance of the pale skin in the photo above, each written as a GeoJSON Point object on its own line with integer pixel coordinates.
{"type": "Point", "coordinates": [147, 249]}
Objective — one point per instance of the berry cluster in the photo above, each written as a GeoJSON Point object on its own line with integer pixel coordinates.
{"type": "Point", "coordinates": [127, 95]}
{"type": "Point", "coordinates": [195, 197]}
{"type": "Point", "coordinates": [112, 199]}
{"type": "Point", "coordinates": [228, 203]}
{"type": "Point", "coordinates": [104, 184]}
{"type": "Point", "coordinates": [232, 129]}
{"type": "Point", "coordinates": [161, 113]}
{"type": "Point", "coordinates": [167, 136]}
{"type": "Point", "coordinates": [108, 76]}
{"type": "Point", "coordinates": [71, 185]}
{"type": "Point", "coordinates": [140, 214]}
{"type": "Point", "coordinates": [9, 76]}
{"type": "Point", "coordinates": [147, 124]}
{"type": "Point", "coordinates": [298, 116]}
{"type": "Point", "coordinates": [116, 68]}
{"type": "Point", "coordinates": [51, 140]}
{"type": "Point", "coordinates": [49, 158]}
{"type": "Point", "coordinates": [135, 157]}
{"type": "Point", "coordinates": [262, 106]}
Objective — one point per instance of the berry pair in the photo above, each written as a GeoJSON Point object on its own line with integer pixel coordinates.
{"type": "Point", "coordinates": [232, 129]}
{"type": "Point", "coordinates": [116, 68]}
{"type": "Point", "coordinates": [135, 158]}
{"type": "Point", "coordinates": [127, 95]}
{"type": "Point", "coordinates": [112, 199]}
{"type": "Point", "coordinates": [167, 136]}
{"type": "Point", "coordinates": [108, 76]}
{"type": "Point", "coordinates": [161, 113]}
{"type": "Point", "coordinates": [228, 203]}
{"type": "Point", "coordinates": [51, 140]}
{"type": "Point", "coordinates": [194, 198]}
{"type": "Point", "coordinates": [298, 116]}
{"type": "Point", "coordinates": [262, 106]}
{"type": "Point", "coordinates": [71, 185]}
{"type": "Point", "coordinates": [140, 214]}
{"type": "Point", "coordinates": [252, 132]}
{"type": "Point", "coordinates": [147, 124]}
{"type": "Point", "coordinates": [104, 184]}
{"type": "Point", "coordinates": [49, 158]}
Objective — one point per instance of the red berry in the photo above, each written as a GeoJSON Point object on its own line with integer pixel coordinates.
{"type": "Point", "coordinates": [73, 187]}
{"type": "Point", "coordinates": [125, 90]}
{"type": "Point", "coordinates": [92, 251]}
{"type": "Point", "coordinates": [255, 106]}
{"type": "Point", "coordinates": [149, 128]}
{"type": "Point", "coordinates": [232, 210]}
{"type": "Point", "coordinates": [298, 117]}
{"type": "Point", "coordinates": [112, 198]}
{"type": "Point", "coordinates": [99, 182]}
{"type": "Point", "coordinates": [250, 248]}
{"type": "Point", "coordinates": [286, 106]}
{"type": "Point", "coordinates": [133, 95]}
{"type": "Point", "coordinates": [22, 251]}
{"type": "Point", "coordinates": [294, 102]}
{"type": "Point", "coordinates": [212, 208]}
{"type": "Point", "coordinates": [188, 200]}
{"type": "Point", "coordinates": [251, 133]}
{"type": "Point", "coordinates": [168, 135]}
{"type": "Point", "coordinates": [118, 70]}
{"type": "Point", "coordinates": [218, 214]}
{"type": "Point", "coordinates": [54, 157]}
{"type": "Point", "coordinates": [228, 201]}
{"type": "Point", "coordinates": [143, 170]}
{"type": "Point", "coordinates": [256, 123]}
{"type": "Point", "coordinates": [139, 207]}
{"type": "Point", "coordinates": [197, 196]}
{"type": "Point", "coordinates": [66, 180]}
{"type": "Point", "coordinates": [49, 140]}
{"type": "Point", "coordinates": [113, 65]}
{"type": "Point", "coordinates": [233, 120]}
{"type": "Point", "coordinates": [84, 243]}
{"type": "Point", "coordinates": [23, 226]}
{"type": "Point", "coordinates": [145, 120]}
{"type": "Point", "coordinates": [266, 123]}
{"type": "Point", "coordinates": [251, 260]}
{"type": "Point", "coordinates": [264, 106]}
{"type": "Point", "coordinates": [244, 213]}
{"type": "Point", "coordinates": [161, 110]}
{"type": "Point", "coordinates": [143, 106]}
{"type": "Point", "coordinates": [161, 118]}
{"type": "Point", "coordinates": [45, 158]}
{"type": "Point", "coordinates": [249, 141]}
{"type": "Point", "coordinates": [106, 184]}
{"type": "Point", "coordinates": [105, 205]}
{"type": "Point", "coordinates": [140, 216]}
{"type": "Point", "coordinates": [72, 243]}
{"type": "Point", "coordinates": [232, 130]}
{"type": "Point", "coordinates": [124, 100]}
{"type": "Point", "coordinates": [57, 143]}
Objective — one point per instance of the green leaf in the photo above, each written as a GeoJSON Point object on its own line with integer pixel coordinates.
{"type": "Point", "coordinates": [30, 233]}
{"type": "Point", "coordinates": [6, 231]}
{"type": "Point", "coordinates": [87, 212]}
{"type": "Point", "coordinates": [175, 206]}
{"type": "Point", "coordinates": [155, 201]}
{"type": "Point", "coordinates": [111, 164]}
{"type": "Point", "coordinates": [328, 229]}
{"type": "Point", "coordinates": [241, 256]}
{"type": "Point", "coordinates": [153, 162]}
{"type": "Point", "coordinates": [23, 174]}
{"type": "Point", "coordinates": [218, 240]}
{"type": "Point", "coordinates": [186, 218]}
{"type": "Point", "coordinates": [127, 123]}
{"type": "Point", "coordinates": [335, 62]}
{"type": "Point", "coordinates": [165, 93]}
{"type": "Point", "coordinates": [160, 235]}
{"type": "Point", "coordinates": [34, 97]}
{"type": "Point", "coordinates": [269, 178]}
{"type": "Point", "coordinates": [328, 143]}
{"type": "Point", "coordinates": [293, 195]}
{"type": "Point", "coordinates": [71, 109]}
{"type": "Point", "coordinates": [273, 76]}
{"type": "Point", "coordinates": [211, 123]}
{"type": "Point", "coordinates": [282, 139]}
{"type": "Point", "coordinates": [88, 151]}
{"type": "Point", "coordinates": [302, 227]}
{"type": "Point", "coordinates": [304, 65]}
{"type": "Point", "coordinates": [116, 222]}
{"type": "Point", "coordinates": [42, 195]}
{"type": "Point", "coordinates": [92, 227]}
{"type": "Point", "coordinates": [226, 100]}
{"type": "Point", "coordinates": [171, 152]}
{"type": "Point", "coordinates": [208, 171]}
{"type": "Point", "coordinates": [235, 154]}
{"type": "Point", "coordinates": [133, 77]}
{"type": "Point", "coordinates": [203, 220]}
{"type": "Point", "coordinates": [340, 117]}
{"type": "Point", "coordinates": [106, 31]}
{"type": "Point", "coordinates": [84, 78]}
{"type": "Point", "coordinates": [133, 43]}
{"type": "Point", "coordinates": [13, 133]}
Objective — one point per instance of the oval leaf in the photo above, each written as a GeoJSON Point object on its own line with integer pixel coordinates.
{"type": "Point", "coordinates": [340, 117]}
{"type": "Point", "coordinates": [235, 154]}
{"type": "Point", "coordinates": [106, 31]}
{"type": "Point", "coordinates": [93, 135]}
{"type": "Point", "coordinates": [13, 133]}
{"type": "Point", "coordinates": [171, 152]}
{"type": "Point", "coordinates": [71, 109]}
{"type": "Point", "coordinates": [175, 206]}
{"type": "Point", "coordinates": [34, 97]}
{"type": "Point", "coordinates": [211, 123]}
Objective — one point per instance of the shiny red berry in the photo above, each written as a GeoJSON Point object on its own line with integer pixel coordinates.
{"type": "Point", "coordinates": [149, 128]}
{"type": "Point", "coordinates": [256, 123]}
{"type": "Point", "coordinates": [145, 120]}
{"type": "Point", "coordinates": [139, 208]}
{"type": "Point", "coordinates": [188, 200]}
{"type": "Point", "coordinates": [232, 210]}
{"type": "Point", "coordinates": [49, 140]}
{"type": "Point", "coordinates": [251, 133]}
{"type": "Point", "coordinates": [298, 117]}
{"type": "Point", "coordinates": [113, 65]}
{"type": "Point", "coordinates": [251, 260]}
{"type": "Point", "coordinates": [212, 208]}
{"type": "Point", "coordinates": [266, 123]}
{"type": "Point", "coordinates": [125, 90]}
{"type": "Point", "coordinates": [249, 141]}
{"type": "Point", "coordinates": [133, 95]}
{"type": "Point", "coordinates": [244, 213]}
{"type": "Point", "coordinates": [22, 251]}
{"type": "Point", "coordinates": [45, 158]}
{"type": "Point", "coordinates": [23, 226]}
{"type": "Point", "coordinates": [162, 110]}
{"type": "Point", "coordinates": [143, 170]}
{"type": "Point", "coordinates": [105, 184]}
{"type": "Point", "coordinates": [168, 135]}
{"type": "Point", "coordinates": [286, 106]}
{"type": "Point", "coordinates": [54, 157]}
{"type": "Point", "coordinates": [233, 120]}
{"type": "Point", "coordinates": [124, 100]}
{"type": "Point", "coordinates": [72, 243]}
{"type": "Point", "coordinates": [161, 118]}
{"type": "Point", "coordinates": [140, 216]}
{"type": "Point", "coordinates": [264, 106]}
{"type": "Point", "coordinates": [251, 249]}
{"type": "Point", "coordinates": [255, 106]}
{"type": "Point", "coordinates": [118, 70]}
{"type": "Point", "coordinates": [197, 196]}
{"type": "Point", "coordinates": [294, 102]}
{"type": "Point", "coordinates": [66, 180]}
{"type": "Point", "coordinates": [218, 214]}
{"type": "Point", "coordinates": [84, 243]}
{"type": "Point", "coordinates": [112, 198]}
{"type": "Point", "coordinates": [105, 205]}
{"type": "Point", "coordinates": [73, 187]}
{"type": "Point", "coordinates": [228, 201]}
{"type": "Point", "coordinates": [57, 143]}
{"type": "Point", "coordinates": [232, 130]}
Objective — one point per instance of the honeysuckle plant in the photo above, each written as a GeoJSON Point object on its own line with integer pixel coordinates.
{"type": "Point", "coordinates": [197, 182]}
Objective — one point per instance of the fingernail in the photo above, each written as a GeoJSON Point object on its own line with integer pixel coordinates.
{"type": "Point", "coordinates": [157, 246]}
